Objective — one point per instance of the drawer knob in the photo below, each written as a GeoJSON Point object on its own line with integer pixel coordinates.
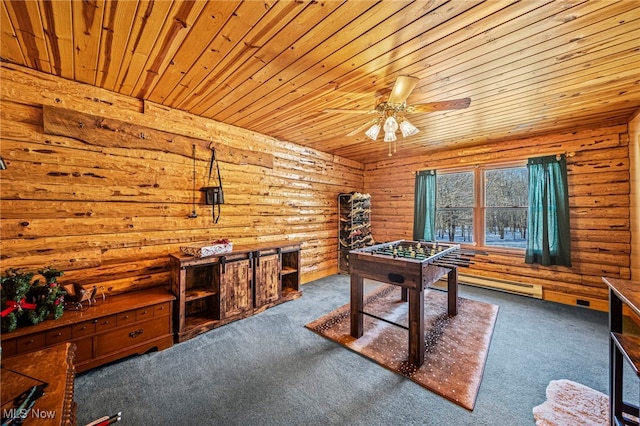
{"type": "Point", "coordinates": [136, 333]}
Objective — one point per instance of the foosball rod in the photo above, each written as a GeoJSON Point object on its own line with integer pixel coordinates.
{"type": "Point", "coordinates": [455, 258]}
{"type": "Point", "coordinates": [469, 252]}
{"type": "Point", "coordinates": [449, 264]}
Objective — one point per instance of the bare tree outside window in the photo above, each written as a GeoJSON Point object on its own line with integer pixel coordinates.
{"type": "Point", "coordinates": [506, 200]}
{"type": "Point", "coordinates": [499, 219]}
{"type": "Point", "coordinates": [454, 207]}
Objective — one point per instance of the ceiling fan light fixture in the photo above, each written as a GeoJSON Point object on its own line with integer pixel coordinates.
{"type": "Point", "coordinates": [408, 129]}
{"type": "Point", "coordinates": [373, 132]}
{"type": "Point", "coordinates": [390, 111]}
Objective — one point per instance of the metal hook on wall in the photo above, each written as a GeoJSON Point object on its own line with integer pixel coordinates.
{"type": "Point", "coordinates": [193, 213]}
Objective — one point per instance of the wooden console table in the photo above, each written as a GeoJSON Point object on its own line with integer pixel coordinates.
{"type": "Point", "coordinates": [215, 290]}
{"type": "Point", "coordinates": [53, 367]}
{"type": "Point", "coordinates": [622, 347]}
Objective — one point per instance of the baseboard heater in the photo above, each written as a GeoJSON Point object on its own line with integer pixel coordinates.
{"type": "Point", "coordinates": [531, 290]}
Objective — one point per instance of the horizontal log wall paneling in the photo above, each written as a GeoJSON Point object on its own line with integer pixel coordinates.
{"type": "Point", "coordinates": [100, 185]}
{"type": "Point", "coordinates": [634, 154]}
{"type": "Point", "coordinates": [598, 175]}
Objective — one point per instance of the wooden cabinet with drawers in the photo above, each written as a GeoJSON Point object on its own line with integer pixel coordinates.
{"type": "Point", "coordinates": [215, 290]}
{"type": "Point", "coordinates": [123, 325]}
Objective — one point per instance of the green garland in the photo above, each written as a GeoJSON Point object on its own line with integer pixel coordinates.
{"type": "Point", "coordinates": [23, 298]}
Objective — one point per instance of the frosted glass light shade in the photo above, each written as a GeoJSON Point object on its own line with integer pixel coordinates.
{"type": "Point", "coordinates": [408, 129]}
{"type": "Point", "coordinates": [373, 132]}
{"type": "Point", "coordinates": [390, 127]}
{"type": "Point", "coordinates": [390, 137]}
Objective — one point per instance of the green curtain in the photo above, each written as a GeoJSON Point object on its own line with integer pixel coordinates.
{"type": "Point", "coordinates": [549, 242]}
{"type": "Point", "coordinates": [424, 210]}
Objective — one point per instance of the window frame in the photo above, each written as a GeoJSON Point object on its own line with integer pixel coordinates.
{"type": "Point", "coordinates": [475, 199]}
{"type": "Point", "coordinates": [479, 210]}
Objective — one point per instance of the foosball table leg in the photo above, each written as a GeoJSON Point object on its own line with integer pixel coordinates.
{"type": "Point", "coordinates": [452, 290]}
{"type": "Point", "coordinates": [416, 327]}
{"type": "Point", "coordinates": [357, 305]}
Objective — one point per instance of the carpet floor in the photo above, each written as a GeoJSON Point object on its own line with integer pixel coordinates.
{"type": "Point", "coordinates": [270, 370]}
{"type": "Point", "coordinates": [456, 346]}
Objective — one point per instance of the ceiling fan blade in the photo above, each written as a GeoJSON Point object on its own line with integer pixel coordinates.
{"type": "Point", "coordinates": [364, 126]}
{"type": "Point", "coordinates": [402, 88]}
{"type": "Point", "coordinates": [350, 111]}
{"type": "Point", "coordinates": [440, 106]}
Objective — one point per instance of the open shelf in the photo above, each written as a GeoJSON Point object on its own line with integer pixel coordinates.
{"type": "Point", "coordinates": [354, 226]}
{"type": "Point", "coordinates": [286, 270]}
{"type": "Point", "coordinates": [289, 293]}
{"type": "Point", "coordinates": [630, 348]}
{"type": "Point", "coordinates": [198, 293]}
{"type": "Point", "coordinates": [624, 346]}
{"type": "Point", "coordinates": [194, 321]}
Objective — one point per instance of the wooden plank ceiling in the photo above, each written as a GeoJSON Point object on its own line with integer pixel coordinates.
{"type": "Point", "coordinates": [529, 67]}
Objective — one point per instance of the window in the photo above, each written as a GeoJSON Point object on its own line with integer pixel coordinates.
{"type": "Point", "coordinates": [506, 198]}
{"type": "Point", "coordinates": [454, 207]}
{"type": "Point", "coordinates": [486, 206]}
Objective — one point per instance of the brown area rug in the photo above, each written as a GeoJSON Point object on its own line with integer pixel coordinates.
{"type": "Point", "coordinates": [572, 404]}
{"type": "Point", "coordinates": [456, 347]}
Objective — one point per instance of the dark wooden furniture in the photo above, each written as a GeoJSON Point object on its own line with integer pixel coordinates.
{"type": "Point", "coordinates": [414, 275]}
{"type": "Point", "coordinates": [354, 224]}
{"type": "Point", "coordinates": [622, 347]}
{"type": "Point", "coordinates": [53, 366]}
{"type": "Point", "coordinates": [123, 325]}
{"type": "Point", "coordinates": [215, 290]}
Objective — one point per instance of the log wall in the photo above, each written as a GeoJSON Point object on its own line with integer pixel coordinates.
{"type": "Point", "coordinates": [100, 185]}
{"type": "Point", "coordinates": [634, 154]}
{"type": "Point", "coordinates": [598, 175]}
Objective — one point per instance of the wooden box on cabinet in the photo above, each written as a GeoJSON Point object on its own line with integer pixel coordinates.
{"type": "Point", "coordinates": [215, 290]}
{"type": "Point", "coordinates": [126, 324]}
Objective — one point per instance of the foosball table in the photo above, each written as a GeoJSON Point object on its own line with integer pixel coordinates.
{"type": "Point", "coordinates": [413, 266]}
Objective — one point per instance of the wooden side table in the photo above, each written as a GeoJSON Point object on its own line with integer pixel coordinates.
{"type": "Point", "coordinates": [622, 347]}
{"type": "Point", "coordinates": [53, 366]}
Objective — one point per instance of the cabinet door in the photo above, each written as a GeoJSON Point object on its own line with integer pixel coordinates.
{"type": "Point", "coordinates": [235, 288]}
{"type": "Point", "coordinates": [267, 284]}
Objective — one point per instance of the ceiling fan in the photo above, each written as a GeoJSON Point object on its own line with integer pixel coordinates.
{"type": "Point", "coordinates": [389, 111]}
